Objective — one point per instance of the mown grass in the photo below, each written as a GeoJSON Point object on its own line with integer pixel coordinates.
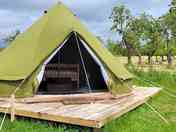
{"type": "Point", "coordinates": [31, 125]}
{"type": "Point", "coordinates": [142, 119]}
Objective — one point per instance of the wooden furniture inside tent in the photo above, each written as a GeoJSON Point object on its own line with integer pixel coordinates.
{"type": "Point", "coordinates": [61, 78]}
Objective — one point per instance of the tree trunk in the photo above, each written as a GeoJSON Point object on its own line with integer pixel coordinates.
{"type": "Point", "coordinates": [149, 59]}
{"type": "Point", "coordinates": [129, 56]}
{"type": "Point", "coordinates": [129, 59]}
{"type": "Point", "coordinates": [169, 58]}
{"type": "Point", "coordinates": [156, 59]}
{"type": "Point", "coordinates": [169, 55]}
{"type": "Point", "coordinates": [162, 58]}
{"type": "Point", "coordinates": [129, 50]}
{"type": "Point", "coordinates": [139, 59]}
{"type": "Point", "coordinates": [150, 55]}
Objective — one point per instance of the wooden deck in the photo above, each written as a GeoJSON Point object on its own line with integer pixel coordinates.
{"type": "Point", "coordinates": [94, 115]}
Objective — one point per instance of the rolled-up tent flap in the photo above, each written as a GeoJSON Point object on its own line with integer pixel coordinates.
{"type": "Point", "coordinates": [41, 73]}
{"type": "Point", "coordinates": [98, 62]}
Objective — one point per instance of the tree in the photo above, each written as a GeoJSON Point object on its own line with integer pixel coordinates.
{"type": "Point", "coordinates": [121, 18]}
{"type": "Point", "coordinates": [114, 48]}
{"type": "Point", "coordinates": [169, 31]}
{"type": "Point", "coordinates": [137, 29]}
{"type": "Point", "coordinates": [166, 33]}
{"type": "Point", "coordinates": [151, 35]}
{"type": "Point", "coordinates": [145, 35]}
{"type": "Point", "coordinates": [172, 17]}
{"type": "Point", "coordinates": [173, 6]}
{"type": "Point", "coordinates": [12, 37]}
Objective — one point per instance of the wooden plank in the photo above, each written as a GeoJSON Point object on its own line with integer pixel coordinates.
{"type": "Point", "coordinates": [39, 107]}
{"type": "Point", "coordinates": [90, 115]}
{"type": "Point", "coordinates": [72, 98]}
{"type": "Point", "coordinates": [126, 107]}
{"type": "Point", "coordinates": [85, 111]}
{"type": "Point", "coordinates": [58, 118]}
{"type": "Point", "coordinates": [52, 117]}
{"type": "Point", "coordinates": [106, 110]}
{"type": "Point", "coordinates": [65, 109]}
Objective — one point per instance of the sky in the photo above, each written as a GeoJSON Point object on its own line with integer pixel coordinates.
{"type": "Point", "coordinates": [20, 14]}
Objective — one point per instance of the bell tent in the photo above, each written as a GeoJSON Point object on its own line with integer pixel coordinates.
{"type": "Point", "coordinates": [56, 55]}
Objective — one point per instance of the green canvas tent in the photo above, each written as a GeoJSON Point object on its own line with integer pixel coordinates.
{"type": "Point", "coordinates": [23, 60]}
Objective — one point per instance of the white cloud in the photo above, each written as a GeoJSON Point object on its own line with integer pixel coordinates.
{"type": "Point", "coordinates": [19, 14]}
{"type": "Point", "coordinates": [27, 5]}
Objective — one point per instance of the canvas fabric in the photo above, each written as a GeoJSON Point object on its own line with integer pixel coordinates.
{"type": "Point", "coordinates": [25, 56]}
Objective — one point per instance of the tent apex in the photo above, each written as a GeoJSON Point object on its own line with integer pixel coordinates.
{"type": "Point", "coordinates": [59, 2]}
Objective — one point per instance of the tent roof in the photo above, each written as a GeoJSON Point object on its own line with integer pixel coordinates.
{"type": "Point", "coordinates": [31, 48]}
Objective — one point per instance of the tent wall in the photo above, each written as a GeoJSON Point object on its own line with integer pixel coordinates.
{"type": "Point", "coordinates": [31, 85]}
{"type": "Point", "coordinates": [28, 89]}
{"type": "Point", "coordinates": [29, 50]}
{"type": "Point", "coordinates": [27, 53]}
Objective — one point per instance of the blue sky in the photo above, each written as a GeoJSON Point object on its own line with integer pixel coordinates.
{"type": "Point", "coordinates": [20, 14]}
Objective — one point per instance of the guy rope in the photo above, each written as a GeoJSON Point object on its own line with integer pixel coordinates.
{"type": "Point", "coordinates": [11, 104]}
{"type": "Point", "coordinates": [153, 84]}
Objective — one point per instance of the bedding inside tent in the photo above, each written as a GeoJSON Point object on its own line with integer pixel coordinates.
{"type": "Point", "coordinates": [73, 68]}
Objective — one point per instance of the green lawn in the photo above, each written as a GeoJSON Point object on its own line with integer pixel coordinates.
{"type": "Point", "coordinates": [31, 125]}
{"type": "Point", "coordinates": [141, 119]}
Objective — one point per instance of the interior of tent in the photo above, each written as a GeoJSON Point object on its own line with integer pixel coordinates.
{"type": "Point", "coordinates": [73, 68]}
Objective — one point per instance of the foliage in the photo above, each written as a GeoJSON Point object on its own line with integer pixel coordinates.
{"type": "Point", "coordinates": [145, 35]}
{"type": "Point", "coordinates": [121, 18]}
{"type": "Point", "coordinates": [114, 48]}
{"type": "Point", "coordinates": [152, 37]}
{"type": "Point", "coordinates": [12, 37]}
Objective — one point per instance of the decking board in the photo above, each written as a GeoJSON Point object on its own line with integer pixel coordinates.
{"type": "Point", "coordinates": [94, 115]}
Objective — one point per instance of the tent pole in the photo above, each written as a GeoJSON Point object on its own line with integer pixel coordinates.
{"type": "Point", "coordinates": [83, 63]}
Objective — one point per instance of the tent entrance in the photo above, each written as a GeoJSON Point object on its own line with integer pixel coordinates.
{"type": "Point", "coordinates": [65, 73]}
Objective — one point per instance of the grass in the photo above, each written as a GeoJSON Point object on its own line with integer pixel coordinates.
{"type": "Point", "coordinates": [146, 67]}
{"type": "Point", "coordinates": [142, 119]}
{"type": "Point", "coordinates": [30, 125]}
